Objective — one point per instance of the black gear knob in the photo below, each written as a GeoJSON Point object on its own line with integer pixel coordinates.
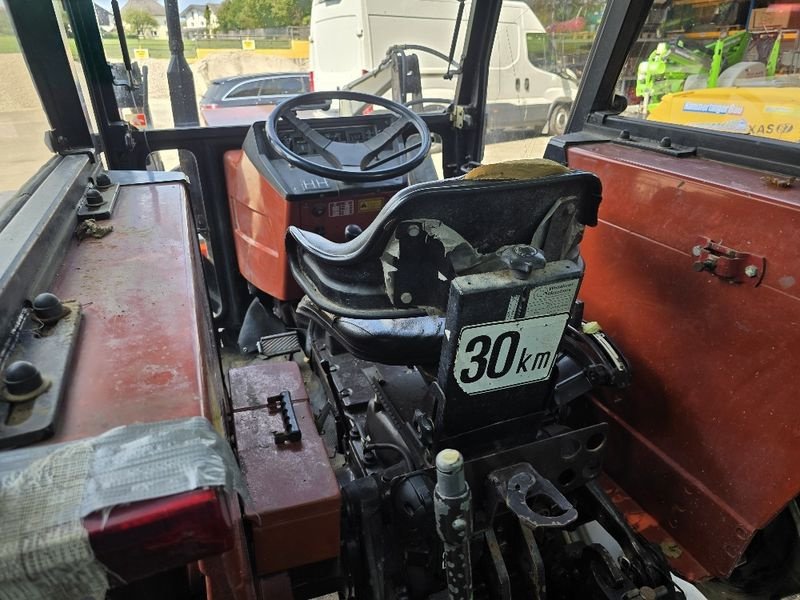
{"type": "Point", "coordinates": [352, 231]}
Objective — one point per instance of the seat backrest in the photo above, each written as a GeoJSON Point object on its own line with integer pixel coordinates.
{"type": "Point", "coordinates": [350, 279]}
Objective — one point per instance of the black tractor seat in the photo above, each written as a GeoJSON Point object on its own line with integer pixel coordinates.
{"type": "Point", "coordinates": [427, 234]}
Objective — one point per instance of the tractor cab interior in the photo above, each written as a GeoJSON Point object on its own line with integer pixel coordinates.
{"type": "Point", "coordinates": [310, 361]}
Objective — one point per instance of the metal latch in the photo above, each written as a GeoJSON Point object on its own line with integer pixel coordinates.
{"type": "Point", "coordinates": [726, 263]}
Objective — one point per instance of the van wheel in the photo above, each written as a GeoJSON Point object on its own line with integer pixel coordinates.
{"type": "Point", "coordinates": [559, 116]}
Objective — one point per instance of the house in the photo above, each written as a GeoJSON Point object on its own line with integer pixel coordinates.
{"type": "Point", "coordinates": [155, 9]}
{"type": "Point", "coordinates": [194, 22]}
{"type": "Point", "coordinates": [105, 18]}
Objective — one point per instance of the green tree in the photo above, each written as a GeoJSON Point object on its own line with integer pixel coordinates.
{"type": "Point", "coordinates": [138, 21]}
{"type": "Point", "coordinates": [255, 14]}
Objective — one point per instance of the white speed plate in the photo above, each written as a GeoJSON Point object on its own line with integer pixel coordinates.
{"type": "Point", "coordinates": [495, 356]}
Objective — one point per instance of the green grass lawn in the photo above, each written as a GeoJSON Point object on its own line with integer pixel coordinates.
{"type": "Point", "coordinates": [8, 44]}
{"type": "Point", "coordinates": [158, 48]}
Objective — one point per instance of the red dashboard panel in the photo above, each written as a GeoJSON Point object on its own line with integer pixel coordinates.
{"type": "Point", "coordinates": [261, 216]}
{"type": "Point", "coordinates": [707, 438]}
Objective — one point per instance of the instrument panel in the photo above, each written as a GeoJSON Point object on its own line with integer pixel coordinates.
{"type": "Point", "coordinates": [349, 134]}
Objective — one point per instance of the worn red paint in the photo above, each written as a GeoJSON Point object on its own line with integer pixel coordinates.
{"type": "Point", "coordinates": [644, 524]}
{"type": "Point", "coordinates": [295, 514]}
{"type": "Point", "coordinates": [145, 354]}
{"type": "Point", "coordinates": [261, 216]}
{"type": "Point", "coordinates": [706, 439]}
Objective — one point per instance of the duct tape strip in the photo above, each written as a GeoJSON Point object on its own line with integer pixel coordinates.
{"type": "Point", "coordinates": [44, 549]}
{"type": "Point", "coordinates": [46, 490]}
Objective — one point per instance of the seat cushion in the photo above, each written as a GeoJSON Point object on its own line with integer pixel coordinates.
{"type": "Point", "coordinates": [404, 341]}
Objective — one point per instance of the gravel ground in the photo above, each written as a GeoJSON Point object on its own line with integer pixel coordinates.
{"type": "Point", "coordinates": [16, 89]}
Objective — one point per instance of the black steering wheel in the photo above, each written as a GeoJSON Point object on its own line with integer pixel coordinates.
{"type": "Point", "coordinates": [356, 161]}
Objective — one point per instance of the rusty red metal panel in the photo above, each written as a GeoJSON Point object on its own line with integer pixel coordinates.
{"type": "Point", "coordinates": [295, 512]}
{"type": "Point", "coordinates": [146, 353]}
{"type": "Point", "coordinates": [644, 523]}
{"type": "Point", "coordinates": [143, 352]}
{"type": "Point", "coordinates": [707, 437]}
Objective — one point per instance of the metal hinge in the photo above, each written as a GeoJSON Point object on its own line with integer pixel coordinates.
{"type": "Point", "coordinates": [729, 265]}
{"type": "Point", "coordinates": [460, 118]}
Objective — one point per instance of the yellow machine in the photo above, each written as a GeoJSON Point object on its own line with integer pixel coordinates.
{"type": "Point", "coordinates": [772, 112]}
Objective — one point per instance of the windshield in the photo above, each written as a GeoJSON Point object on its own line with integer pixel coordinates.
{"type": "Point", "coordinates": [243, 61]}
{"type": "Point", "coordinates": [719, 67]}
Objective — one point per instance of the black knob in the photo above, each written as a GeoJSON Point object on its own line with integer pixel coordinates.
{"type": "Point", "coordinates": [48, 308]}
{"type": "Point", "coordinates": [352, 231]}
{"type": "Point", "coordinates": [523, 259]}
{"type": "Point", "coordinates": [22, 378]}
{"type": "Point", "coordinates": [103, 181]}
{"type": "Point", "coordinates": [93, 197]}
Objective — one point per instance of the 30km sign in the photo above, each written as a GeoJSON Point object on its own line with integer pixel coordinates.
{"type": "Point", "coordinates": [502, 355]}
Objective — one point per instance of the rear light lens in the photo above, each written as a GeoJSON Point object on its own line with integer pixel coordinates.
{"type": "Point", "coordinates": [311, 80]}
{"type": "Point", "coordinates": [209, 106]}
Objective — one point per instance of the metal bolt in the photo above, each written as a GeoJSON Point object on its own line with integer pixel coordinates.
{"type": "Point", "coordinates": [751, 271]}
{"type": "Point", "coordinates": [93, 197]}
{"type": "Point", "coordinates": [624, 134]}
{"type": "Point", "coordinates": [48, 308]}
{"type": "Point", "coordinates": [414, 230]}
{"type": "Point", "coordinates": [22, 380]}
{"type": "Point", "coordinates": [665, 142]}
{"type": "Point", "coordinates": [697, 251]}
{"type": "Point", "coordinates": [406, 298]}
{"type": "Point", "coordinates": [103, 181]}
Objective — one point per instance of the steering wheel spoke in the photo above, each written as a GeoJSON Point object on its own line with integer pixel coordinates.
{"type": "Point", "coordinates": [359, 161]}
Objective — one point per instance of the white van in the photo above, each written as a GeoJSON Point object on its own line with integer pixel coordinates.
{"type": "Point", "coordinates": [350, 38]}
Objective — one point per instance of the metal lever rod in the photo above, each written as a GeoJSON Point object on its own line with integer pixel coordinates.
{"type": "Point", "coordinates": [452, 502]}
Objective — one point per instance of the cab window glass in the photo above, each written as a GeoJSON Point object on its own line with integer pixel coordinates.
{"type": "Point", "coordinates": [730, 66]}
{"type": "Point", "coordinates": [536, 66]}
{"type": "Point", "coordinates": [23, 122]}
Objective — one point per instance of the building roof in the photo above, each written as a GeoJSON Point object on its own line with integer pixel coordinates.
{"type": "Point", "coordinates": [149, 6]}
{"type": "Point", "coordinates": [200, 8]}
{"type": "Point", "coordinates": [101, 10]}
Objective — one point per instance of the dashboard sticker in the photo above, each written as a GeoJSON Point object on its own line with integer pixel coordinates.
{"type": "Point", "coordinates": [341, 208]}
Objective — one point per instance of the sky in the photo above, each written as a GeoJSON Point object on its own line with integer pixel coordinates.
{"type": "Point", "coordinates": [181, 3]}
